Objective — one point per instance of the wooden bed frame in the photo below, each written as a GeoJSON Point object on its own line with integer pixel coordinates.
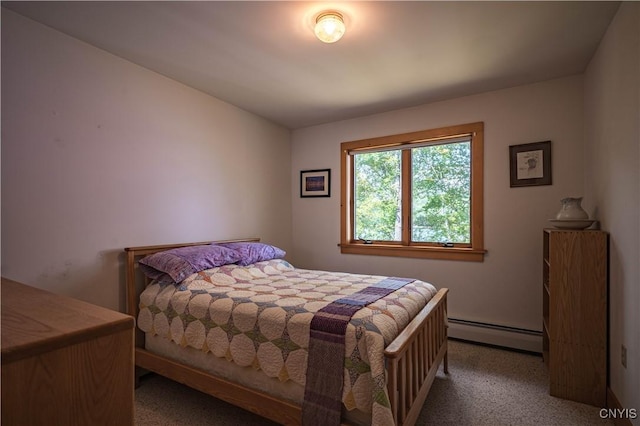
{"type": "Point", "coordinates": [412, 358]}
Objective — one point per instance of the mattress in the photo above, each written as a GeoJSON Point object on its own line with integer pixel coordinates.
{"type": "Point", "coordinates": [250, 324]}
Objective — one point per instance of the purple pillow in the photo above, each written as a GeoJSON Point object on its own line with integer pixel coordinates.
{"type": "Point", "coordinates": [177, 264]}
{"type": "Point", "coordinates": [255, 252]}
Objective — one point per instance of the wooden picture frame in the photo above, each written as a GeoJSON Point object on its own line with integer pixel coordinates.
{"type": "Point", "coordinates": [315, 183]}
{"type": "Point", "coordinates": [530, 164]}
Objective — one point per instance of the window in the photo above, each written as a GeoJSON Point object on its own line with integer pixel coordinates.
{"type": "Point", "coordinates": [414, 195]}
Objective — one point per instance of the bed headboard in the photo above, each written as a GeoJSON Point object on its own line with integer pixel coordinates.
{"type": "Point", "coordinates": [136, 281]}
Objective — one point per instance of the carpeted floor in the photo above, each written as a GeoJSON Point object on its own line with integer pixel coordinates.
{"type": "Point", "coordinates": [485, 386]}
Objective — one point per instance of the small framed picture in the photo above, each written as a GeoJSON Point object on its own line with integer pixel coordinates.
{"type": "Point", "coordinates": [530, 164]}
{"type": "Point", "coordinates": [315, 183]}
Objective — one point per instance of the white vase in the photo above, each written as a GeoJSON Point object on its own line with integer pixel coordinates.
{"type": "Point", "coordinates": [572, 209]}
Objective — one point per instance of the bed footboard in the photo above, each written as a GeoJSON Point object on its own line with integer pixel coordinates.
{"type": "Point", "coordinates": [413, 359]}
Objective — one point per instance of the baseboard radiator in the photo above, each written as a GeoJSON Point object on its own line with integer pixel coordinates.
{"type": "Point", "coordinates": [498, 335]}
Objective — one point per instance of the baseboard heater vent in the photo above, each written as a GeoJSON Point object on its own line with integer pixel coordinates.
{"type": "Point", "coordinates": [493, 334]}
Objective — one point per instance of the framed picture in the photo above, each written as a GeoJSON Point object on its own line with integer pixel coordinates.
{"type": "Point", "coordinates": [315, 183]}
{"type": "Point", "coordinates": [530, 164]}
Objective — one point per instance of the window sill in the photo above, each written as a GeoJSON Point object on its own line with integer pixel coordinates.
{"type": "Point", "coordinates": [449, 253]}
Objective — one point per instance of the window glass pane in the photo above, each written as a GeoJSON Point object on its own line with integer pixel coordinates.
{"type": "Point", "coordinates": [441, 193]}
{"type": "Point", "coordinates": [377, 196]}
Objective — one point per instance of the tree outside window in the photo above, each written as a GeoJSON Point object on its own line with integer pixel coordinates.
{"type": "Point", "coordinates": [415, 195]}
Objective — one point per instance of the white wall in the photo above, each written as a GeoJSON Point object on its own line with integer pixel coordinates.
{"type": "Point", "coordinates": [612, 183]}
{"type": "Point", "coordinates": [99, 154]}
{"type": "Point", "coordinates": [506, 288]}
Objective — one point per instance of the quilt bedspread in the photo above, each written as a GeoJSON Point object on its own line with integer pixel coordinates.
{"type": "Point", "coordinates": [259, 316]}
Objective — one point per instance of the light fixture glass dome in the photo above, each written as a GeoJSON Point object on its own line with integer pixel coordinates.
{"type": "Point", "coordinates": [329, 27]}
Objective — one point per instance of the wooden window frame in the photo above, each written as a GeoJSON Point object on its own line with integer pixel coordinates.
{"type": "Point", "coordinates": [468, 252]}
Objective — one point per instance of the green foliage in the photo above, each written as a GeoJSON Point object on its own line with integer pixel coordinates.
{"type": "Point", "coordinates": [441, 193]}
{"type": "Point", "coordinates": [440, 187]}
{"type": "Point", "coordinates": [378, 196]}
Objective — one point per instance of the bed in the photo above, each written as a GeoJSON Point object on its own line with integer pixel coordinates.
{"type": "Point", "coordinates": [391, 349]}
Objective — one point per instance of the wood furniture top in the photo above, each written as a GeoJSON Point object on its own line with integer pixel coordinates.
{"type": "Point", "coordinates": [35, 321]}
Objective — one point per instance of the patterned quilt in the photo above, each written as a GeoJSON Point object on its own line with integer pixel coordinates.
{"type": "Point", "coordinates": [259, 315]}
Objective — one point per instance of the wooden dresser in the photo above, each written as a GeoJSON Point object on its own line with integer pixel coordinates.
{"type": "Point", "coordinates": [64, 361]}
{"type": "Point", "coordinates": [575, 276]}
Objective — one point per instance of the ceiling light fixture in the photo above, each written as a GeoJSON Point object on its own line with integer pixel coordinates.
{"type": "Point", "coordinates": [329, 27]}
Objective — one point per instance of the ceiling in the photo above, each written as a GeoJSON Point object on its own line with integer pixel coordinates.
{"type": "Point", "coordinates": [263, 56]}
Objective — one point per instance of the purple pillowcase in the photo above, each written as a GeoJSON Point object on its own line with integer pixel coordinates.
{"type": "Point", "coordinates": [255, 252]}
{"type": "Point", "coordinates": [173, 266]}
